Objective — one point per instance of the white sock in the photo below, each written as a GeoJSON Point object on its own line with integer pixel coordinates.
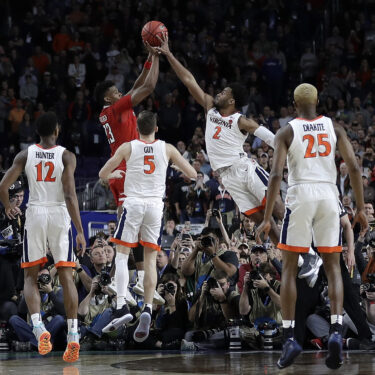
{"type": "Point", "coordinates": [72, 325]}
{"type": "Point", "coordinates": [311, 251]}
{"type": "Point", "coordinates": [36, 319]}
{"type": "Point", "coordinates": [300, 261]}
{"type": "Point", "coordinates": [289, 323]}
{"type": "Point", "coordinates": [121, 278]}
{"type": "Point", "coordinates": [141, 275]}
{"type": "Point", "coordinates": [336, 319]}
{"type": "Point", "coordinates": [149, 305]}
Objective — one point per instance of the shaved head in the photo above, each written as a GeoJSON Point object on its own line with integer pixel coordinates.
{"type": "Point", "coordinates": [305, 95]}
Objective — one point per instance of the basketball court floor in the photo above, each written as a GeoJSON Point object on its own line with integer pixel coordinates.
{"type": "Point", "coordinates": [174, 363]}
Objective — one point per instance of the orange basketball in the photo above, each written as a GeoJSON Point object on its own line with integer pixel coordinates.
{"type": "Point", "coordinates": [150, 32]}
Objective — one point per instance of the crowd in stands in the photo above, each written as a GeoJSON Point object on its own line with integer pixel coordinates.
{"type": "Point", "coordinates": [52, 54]}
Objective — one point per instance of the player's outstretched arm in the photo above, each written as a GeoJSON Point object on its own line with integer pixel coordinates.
{"type": "Point", "coordinates": [347, 152]}
{"type": "Point", "coordinates": [141, 78]}
{"type": "Point", "coordinates": [250, 126]}
{"type": "Point", "coordinates": [181, 162]}
{"type": "Point", "coordinates": [148, 86]}
{"type": "Point", "coordinates": [9, 178]}
{"type": "Point", "coordinates": [108, 171]}
{"type": "Point", "coordinates": [67, 180]}
{"type": "Point", "coordinates": [205, 100]}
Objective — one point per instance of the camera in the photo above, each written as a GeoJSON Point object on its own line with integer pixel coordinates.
{"type": "Point", "coordinates": [207, 241]}
{"type": "Point", "coordinates": [12, 247]}
{"type": "Point", "coordinates": [211, 284]}
{"type": "Point", "coordinates": [370, 286]}
{"type": "Point", "coordinates": [370, 238]}
{"type": "Point", "coordinates": [104, 280]}
{"type": "Point", "coordinates": [170, 288]}
{"type": "Point", "coordinates": [215, 213]}
{"type": "Point", "coordinates": [44, 278]}
{"type": "Point", "coordinates": [254, 275]}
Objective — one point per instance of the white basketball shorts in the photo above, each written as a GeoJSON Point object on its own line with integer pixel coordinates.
{"type": "Point", "coordinates": [312, 215]}
{"type": "Point", "coordinates": [141, 216]}
{"type": "Point", "coordinates": [247, 183]}
{"type": "Point", "coordinates": [47, 227]}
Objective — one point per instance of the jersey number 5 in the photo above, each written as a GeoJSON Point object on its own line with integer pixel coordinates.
{"type": "Point", "coordinates": [321, 142]}
{"type": "Point", "coordinates": [217, 133]}
{"type": "Point", "coordinates": [39, 172]}
{"type": "Point", "coordinates": [149, 161]}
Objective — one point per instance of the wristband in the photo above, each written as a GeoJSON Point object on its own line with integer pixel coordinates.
{"type": "Point", "coordinates": [267, 289]}
{"type": "Point", "coordinates": [79, 270]}
{"type": "Point", "coordinates": [147, 65]}
{"type": "Point", "coordinates": [213, 256]}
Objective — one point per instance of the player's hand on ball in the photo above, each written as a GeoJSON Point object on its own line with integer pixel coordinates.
{"type": "Point", "coordinates": [164, 48]}
{"type": "Point", "coordinates": [151, 50]}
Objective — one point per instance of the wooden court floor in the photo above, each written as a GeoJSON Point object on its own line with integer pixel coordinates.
{"type": "Point", "coordinates": [174, 363]}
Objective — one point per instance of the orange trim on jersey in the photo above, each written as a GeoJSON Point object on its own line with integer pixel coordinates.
{"type": "Point", "coordinates": [41, 261]}
{"type": "Point", "coordinates": [38, 145]}
{"type": "Point", "coordinates": [305, 119]}
{"type": "Point", "coordinates": [256, 209]}
{"type": "Point", "coordinates": [123, 243]}
{"type": "Point", "coordinates": [65, 264]}
{"type": "Point", "coordinates": [147, 143]}
{"type": "Point", "coordinates": [330, 249]}
{"type": "Point", "coordinates": [295, 249]}
{"type": "Point", "coordinates": [150, 245]}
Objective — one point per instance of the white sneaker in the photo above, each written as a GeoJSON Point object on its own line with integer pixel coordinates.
{"type": "Point", "coordinates": [130, 300]}
{"type": "Point", "coordinates": [188, 346]}
{"type": "Point", "coordinates": [138, 288]}
{"type": "Point", "coordinates": [157, 300]}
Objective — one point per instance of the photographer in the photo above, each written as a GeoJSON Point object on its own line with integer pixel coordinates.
{"type": "Point", "coordinates": [206, 257]}
{"type": "Point", "coordinates": [172, 318]}
{"type": "Point", "coordinates": [95, 310]}
{"type": "Point", "coordinates": [51, 311]}
{"type": "Point", "coordinates": [11, 236]}
{"type": "Point", "coordinates": [216, 305]}
{"type": "Point", "coordinates": [219, 220]}
{"type": "Point", "coordinates": [260, 302]}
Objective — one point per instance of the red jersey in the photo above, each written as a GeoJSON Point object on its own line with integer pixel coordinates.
{"type": "Point", "coordinates": [120, 124]}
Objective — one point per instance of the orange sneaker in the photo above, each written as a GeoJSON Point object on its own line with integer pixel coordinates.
{"type": "Point", "coordinates": [44, 344]}
{"type": "Point", "coordinates": [71, 353]}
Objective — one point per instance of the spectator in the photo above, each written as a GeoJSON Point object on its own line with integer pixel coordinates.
{"type": "Point", "coordinates": [29, 90]}
{"type": "Point", "coordinates": [26, 131]}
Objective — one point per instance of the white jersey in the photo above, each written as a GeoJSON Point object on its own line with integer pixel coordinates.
{"type": "Point", "coordinates": [224, 139]}
{"type": "Point", "coordinates": [146, 170]}
{"type": "Point", "coordinates": [311, 155]}
{"type": "Point", "coordinates": [44, 168]}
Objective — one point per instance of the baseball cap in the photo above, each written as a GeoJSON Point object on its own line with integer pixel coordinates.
{"type": "Point", "coordinates": [15, 188]}
{"type": "Point", "coordinates": [264, 154]}
{"type": "Point", "coordinates": [244, 244]}
{"type": "Point", "coordinates": [258, 248]}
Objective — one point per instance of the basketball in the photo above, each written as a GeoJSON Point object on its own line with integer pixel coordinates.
{"type": "Point", "coordinates": [150, 32]}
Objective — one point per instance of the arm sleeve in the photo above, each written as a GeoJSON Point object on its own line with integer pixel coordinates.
{"type": "Point", "coordinates": [124, 104]}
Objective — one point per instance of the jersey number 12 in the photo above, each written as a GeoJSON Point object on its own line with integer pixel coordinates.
{"type": "Point", "coordinates": [50, 167]}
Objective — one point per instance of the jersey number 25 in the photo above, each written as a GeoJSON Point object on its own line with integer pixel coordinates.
{"type": "Point", "coordinates": [310, 153]}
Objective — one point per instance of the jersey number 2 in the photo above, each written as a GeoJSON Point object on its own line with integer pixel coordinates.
{"type": "Point", "coordinates": [321, 142]}
{"type": "Point", "coordinates": [217, 133]}
{"type": "Point", "coordinates": [39, 172]}
{"type": "Point", "coordinates": [149, 161]}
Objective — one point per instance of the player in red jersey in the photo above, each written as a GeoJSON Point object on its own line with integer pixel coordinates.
{"type": "Point", "coordinates": [118, 117]}
{"type": "Point", "coordinates": [120, 125]}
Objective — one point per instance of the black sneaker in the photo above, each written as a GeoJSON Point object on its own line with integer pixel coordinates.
{"type": "Point", "coordinates": [291, 349]}
{"type": "Point", "coordinates": [366, 344]}
{"type": "Point", "coordinates": [119, 318]}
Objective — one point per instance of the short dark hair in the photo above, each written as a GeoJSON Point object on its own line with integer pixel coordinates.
{"type": "Point", "coordinates": [100, 89]}
{"type": "Point", "coordinates": [46, 124]}
{"type": "Point", "coordinates": [239, 94]}
{"type": "Point", "coordinates": [146, 122]}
